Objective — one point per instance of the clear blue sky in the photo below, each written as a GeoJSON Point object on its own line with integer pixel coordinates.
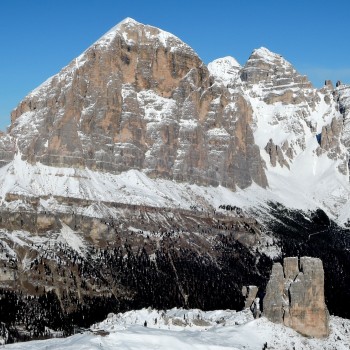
{"type": "Point", "coordinates": [39, 37]}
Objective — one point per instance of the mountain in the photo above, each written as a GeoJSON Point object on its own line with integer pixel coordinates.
{"type": "Point", "coordinates": [137, 176]}
{"type": "Point", "coordinates": [139, 98]}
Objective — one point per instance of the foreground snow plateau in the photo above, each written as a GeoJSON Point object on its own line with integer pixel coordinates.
{"type": "Point", "coordinates": [192, 329]}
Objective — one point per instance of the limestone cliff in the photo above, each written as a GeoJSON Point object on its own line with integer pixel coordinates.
{"type": "Point", "coordinates": [295, 296]}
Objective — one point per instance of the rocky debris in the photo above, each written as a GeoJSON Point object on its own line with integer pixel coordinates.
{"type": "Point", "coordinates": [295, 296]}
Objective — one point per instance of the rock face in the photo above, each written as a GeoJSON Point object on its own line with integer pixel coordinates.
{"type": "Point", "coordinates": [7, 149]}
{"type": "Point", "coordinates": [272, 69]}
{"type": "Point", "coordinates": [140, 98]}
{"type": "Point", "coordinates": [276, 154]}
{"type": "Point", "coordinates": [249, 293]}
{"type": "Point", "coordinates": [295, 296]}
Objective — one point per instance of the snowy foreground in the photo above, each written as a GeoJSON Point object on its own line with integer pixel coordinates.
{"type": "Point", "coordinates": [192, 329]}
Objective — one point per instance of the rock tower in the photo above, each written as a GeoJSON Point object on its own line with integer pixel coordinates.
{"type": "Point", "coordinates": [295, 296]}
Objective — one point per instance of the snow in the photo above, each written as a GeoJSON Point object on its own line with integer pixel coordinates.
{"type": "Point", "coordinates": [224, 69]}
{"type": "Point", "coordinates": [266, 54]}
{"type": "Point", "coordinates": [166, 39]}
{"type": "Point", "coordinates": [156, 107]}
{"type": "Point", "coordinates": [192, 329]}
{"type": "Point", "coordinates": [218, 132]}
{"type": "Point", "coordinates": [68, 236]}
{"type": "Point", "coordinates": [310, 183]}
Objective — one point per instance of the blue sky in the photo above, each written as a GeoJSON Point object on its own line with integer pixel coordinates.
{"type": "Point", "coordinates": [39, 37]}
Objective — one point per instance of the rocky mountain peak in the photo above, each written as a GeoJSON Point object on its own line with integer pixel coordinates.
{"type": "Point", "coordinates": [268, 56]}
{"type": "Point", "coordinates": [271, 69]}
{"type": "Point", "coordinates": [225, 69]}
{"type": "Point", "coordinates": [140, 98]}
{"type": "Point", "coordinates": [136, 33]}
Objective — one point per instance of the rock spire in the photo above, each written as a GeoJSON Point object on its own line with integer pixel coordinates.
{"type": "Point", "coordinates": [295, 296]}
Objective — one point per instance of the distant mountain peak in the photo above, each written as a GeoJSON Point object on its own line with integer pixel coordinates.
{"type": "Point", "coordinates": [227, 61]}
{"type": "Point", "coordinates": [134, 32]}
{"type": "Point", "coordinates": [266, 54]}
{"type": "Point", "coordinates": [128, 20]}
{"type": "Point", "coordinates": [224, 69]}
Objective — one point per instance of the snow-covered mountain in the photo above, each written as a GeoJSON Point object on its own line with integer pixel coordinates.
{"type": "Point", "coordinates": [138, 176]}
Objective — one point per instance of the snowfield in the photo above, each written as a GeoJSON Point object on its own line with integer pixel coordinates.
{"type": "Point", "coordinates": [192, 329]}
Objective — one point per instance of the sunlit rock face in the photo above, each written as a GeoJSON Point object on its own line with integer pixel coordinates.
{"type": "Point", "coordinates": [295, 296]}
{"type": "Point", "coordinates": [139, 98]}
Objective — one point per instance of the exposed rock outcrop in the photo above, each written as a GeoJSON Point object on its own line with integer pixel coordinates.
{"type": "Point", "coordinates": [276, 154]}
{"type": "Point", "coordinates": [329, 84]}
{"type": "Point", "coordinates": [264, 66]}
{"type": "Point", "coordinates": [342, 95]}
{"type": "Point", "coordinates": [249, 293]}
{"type": "Point", "coordinates": [7, 149]}
{"type": "Point", "coordinates": [295, 296]}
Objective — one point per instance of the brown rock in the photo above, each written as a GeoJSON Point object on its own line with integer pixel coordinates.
{"type": "Point", "coordinates": [295, 296]}
{"type": "Point", "coordinates": [273, 301]}
{"type": "Point", "coordinates": [276, 154]}
{"type": "Point", "coordinates": [264, 66]}
{"type": "Point", "coordinates": [329, 84]}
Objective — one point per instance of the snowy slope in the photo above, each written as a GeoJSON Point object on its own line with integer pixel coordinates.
{"type": "Point", "coordinates": [193, 329]}
{"type": "Point", "coordinates": [311, 182]}
{"type": "Point", "coordinates": [311, 177]}
{"type": "Point", "coordinates": [225, 69]}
